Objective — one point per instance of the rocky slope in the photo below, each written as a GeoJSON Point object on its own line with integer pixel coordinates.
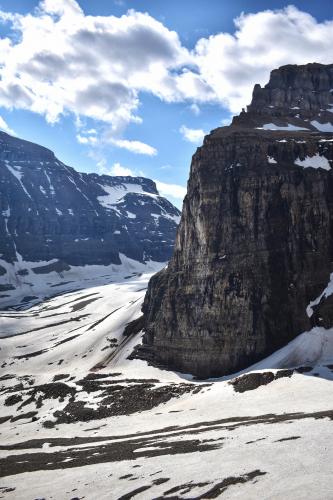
{"type": "Point", "coordinates": [54, 219]}
{"type": "Point", "coordinates": [255, 242]}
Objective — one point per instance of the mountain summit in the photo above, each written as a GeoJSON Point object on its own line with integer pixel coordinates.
{"type": "Point", "coordinates": [53, 218]}
{"type": "Point", "coordinates": [295, 98]}
{"type": "Point", "coordinates": [254, 250]}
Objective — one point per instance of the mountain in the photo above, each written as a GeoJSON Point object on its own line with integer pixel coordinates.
{"type": "Point", "coordinates": [254, 250]}
{"type": "Point", "coordinates": [55, 222]}
{"type": "Point", "coordinates": [82, 417]}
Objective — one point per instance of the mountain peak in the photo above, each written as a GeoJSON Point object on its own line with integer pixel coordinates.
{"type": "Point", "coordinates": [13, 148]}
{"type": "Point", "coordinates": [297, 97]}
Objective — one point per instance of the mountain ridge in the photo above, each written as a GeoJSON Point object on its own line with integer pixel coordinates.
{"type": "Point", "coordinates": [50, 212]}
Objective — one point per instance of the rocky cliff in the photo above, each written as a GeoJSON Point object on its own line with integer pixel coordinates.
{"type": "Point", "coordinates": [53, 218]}
{"type": "Point", "coordinates": [255, 242]}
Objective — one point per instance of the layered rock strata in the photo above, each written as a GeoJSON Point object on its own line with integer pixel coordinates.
{"type": "Point", "coordinates": [255, 242]}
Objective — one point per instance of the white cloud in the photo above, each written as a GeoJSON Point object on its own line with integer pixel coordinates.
{"type": "Point", "coordinates": [226, 121]}
{"type": "Point", "coordinates": [137, 147]}
{"type": "Point", "coordinates": [192, 134]}
{"type": "Point", "coordinates": [94, 66]}
{"type": "Point", "coordinates": [172, 190]}
{"type": "Point", "coordinates": [90, 139]}
{"type": "Point", "coordinates": [115, 169]}
{"type": "Point", "coordinates": [118, 169]}
{"type": "Point", "coordinates": [232, 64]}
{"type": "Point", "coordinates": [62, 61]}
{"type": "Point", "coordinates": [195, 109]}
{"type": "Point", "coordinates": [60, 7]}
{"type": "Point", "coordinates": [5, 128]}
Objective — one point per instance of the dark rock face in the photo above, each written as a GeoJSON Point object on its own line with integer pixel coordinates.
{"type": "Point", "coordinates": [50, 211]}
{"type": "Point", "coordinates": [255, 242]}
{"type": "Point", "coordinates": [300, 96]}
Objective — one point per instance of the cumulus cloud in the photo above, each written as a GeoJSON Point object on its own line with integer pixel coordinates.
{"type": "Point", "coordinates": [135, 146]}
{"type": "Point", "coordinates": [62, 61]}
{"type": "Point", "coordinates": [195, 135]}
{"type": "Point", "coordinates": [91, 140]}
{"type": "Point", "coordinates": [5, 128]}
{"type": "Point", "coordinates": [232, 63]}
{"type": "Point", "coordinates": [118, 169]}
{"type": "Point", "coordinates": [172, 190]}
{"type": "Point", "coordinates": [60, 7]}
{"type": "Point", "coordinates": [90, 66]}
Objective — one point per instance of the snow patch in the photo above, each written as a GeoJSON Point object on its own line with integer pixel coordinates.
{"type": "Point", "coordinates": [51, 188]}
{"type": "Point", "coordinates": [316, 161]}
{"type": "Point", "coordinates": [326, 293]}
{"type": "Point", "coordinates": [115, 194]}
{"type": "Point", "coordinates": [130, 215]}
{"type": "Point", "coordinates": [15, 170]}
{"type": "Point", "coordinates": [272, 126]}
{"type": "Point", "coordinates": [314, 347]}
{"type": "Point", "coordinates": [322, 127]}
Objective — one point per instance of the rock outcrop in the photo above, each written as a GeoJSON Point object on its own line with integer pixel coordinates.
{"type": "Point", "coordinates": [255, 241]}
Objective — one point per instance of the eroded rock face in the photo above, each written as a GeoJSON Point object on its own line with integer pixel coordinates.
{"type": "Point", "coordinates": [254, 245]}
{"type": "Point", "coordinates": [295, 96]}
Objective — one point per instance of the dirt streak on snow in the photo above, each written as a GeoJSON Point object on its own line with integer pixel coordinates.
{"type": "Point", "coordinates": [207, 439]}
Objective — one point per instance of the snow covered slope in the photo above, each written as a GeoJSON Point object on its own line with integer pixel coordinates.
{"type": "Point", "coordinates": [33, 286]}
{"type": "Point", "coordinates": [78, 419]}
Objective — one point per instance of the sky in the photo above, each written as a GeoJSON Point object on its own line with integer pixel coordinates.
{"type": "Point", "coordinates": [123, 87]}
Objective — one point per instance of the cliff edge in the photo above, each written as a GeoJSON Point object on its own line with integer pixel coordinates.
{"type": "Point", "coordinates": [255, 242]}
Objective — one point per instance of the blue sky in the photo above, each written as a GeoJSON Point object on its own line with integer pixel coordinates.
{"type": "Point", "coordinates": [131, 86]}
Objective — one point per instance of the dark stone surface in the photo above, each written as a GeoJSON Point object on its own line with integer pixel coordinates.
{"type": "Point", "coordinates": [255, 242]}
{"type": "Point", "coordinates": [251, 381]}
{"type": "Point", "coordinates": [294, 94]}
{"type": "Point", "coordinates": [50, 211]}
